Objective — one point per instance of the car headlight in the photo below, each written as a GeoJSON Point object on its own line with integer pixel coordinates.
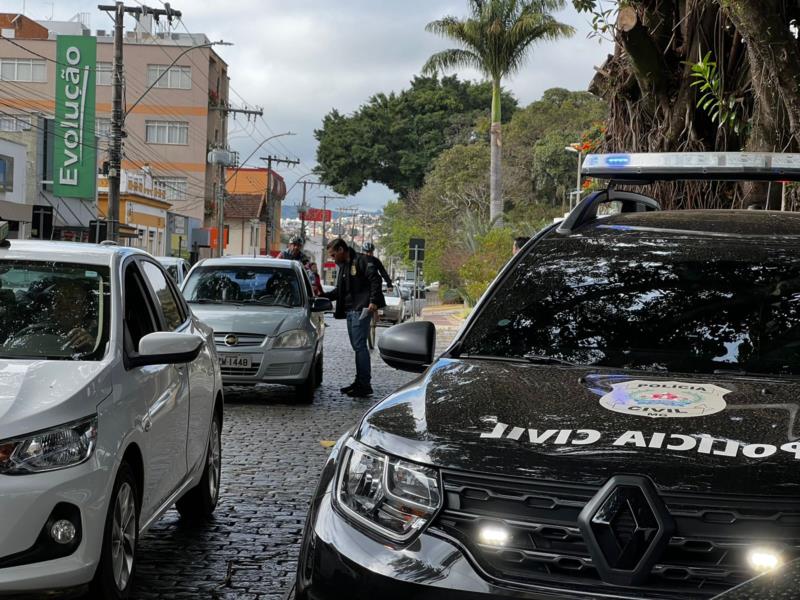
{"type": "Point", "coordinates": [292, 339]}
{"type": "Point", "coordinates": [57, 448]}
{"type": "Point", "coordinates": [390, 496]}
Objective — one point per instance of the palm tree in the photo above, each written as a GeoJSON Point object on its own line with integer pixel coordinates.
{"type": "Point", "coordinates": [495, 39]}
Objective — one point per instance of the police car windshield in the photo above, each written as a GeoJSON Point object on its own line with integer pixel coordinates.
{"type": "Point", "coordinates": [683, 304]}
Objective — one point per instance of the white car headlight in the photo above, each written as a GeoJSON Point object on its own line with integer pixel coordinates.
{"type": "Point", "coordinates": [296, 338]}
{"type": "Point", "coordinates": [390, 496]}
{"type": "Point", "coordinates": [56, 448]}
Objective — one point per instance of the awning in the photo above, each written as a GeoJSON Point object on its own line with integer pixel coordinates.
{"type": "Point", "coordinates": [69, 212]}
{"type": "Point", "coordinates": [14, 211]}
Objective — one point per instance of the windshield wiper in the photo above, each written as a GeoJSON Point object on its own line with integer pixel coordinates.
{"type": "Point", "coordinates": [204, 301]}
{"type": "Point", "coordinates": [538, 360]}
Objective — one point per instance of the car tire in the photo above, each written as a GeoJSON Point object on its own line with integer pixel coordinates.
{"type": "Point", "coordinates": [199, 503]}
{"type": "Point", "coordinates": [305, 391]}
{"type": "Point", "coordinates": [116, 569]}
{"type": "Point", "coordinates": [319, 368]}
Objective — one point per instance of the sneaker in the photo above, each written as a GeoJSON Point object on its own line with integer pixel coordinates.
{"type": "Point", "coordinates": [349, 388]}
{"type": "Point", "coordinates": [360, 391]}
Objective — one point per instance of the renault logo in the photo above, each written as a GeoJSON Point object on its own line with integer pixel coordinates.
{"type": "Point", "coordinates": [626, 527]}
{"type": "Point", "coordinates": [231, 340]}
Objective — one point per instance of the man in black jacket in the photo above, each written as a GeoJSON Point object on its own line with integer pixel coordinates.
{"type": "Point", "coordinates": [369, 251]}
{"type": "Point", "coordinates": [358, 296]}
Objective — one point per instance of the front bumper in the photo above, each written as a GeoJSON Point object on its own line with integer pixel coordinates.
{"type": "Point", "coordinates": [338, 562]}
{"type": "Point", "coordinates": [26, 502]}
{"type": "Point", "coordinates": [287, 367]}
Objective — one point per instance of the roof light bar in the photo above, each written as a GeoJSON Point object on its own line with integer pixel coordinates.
{"type": "Point", "coordinates": [693, 165]}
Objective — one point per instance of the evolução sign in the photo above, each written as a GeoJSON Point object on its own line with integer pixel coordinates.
{"type": "Point", "coordinates": [75, 157]}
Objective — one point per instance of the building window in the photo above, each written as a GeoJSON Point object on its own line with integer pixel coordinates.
{"type": "Point", "coordinates": [167, 132]}
{"type": "Point", "coordinates": [104, 73]}
{"type": "Point", "coordinates": [14, 124]}
{"type": "Point", "coordinates": [175, 188]}
{"type": "Point", "coordinates": [23, 69]}
{"type": "Point", "coordinates": [102, 128]}
{"type": "Point", "coordinates": [176, 78]}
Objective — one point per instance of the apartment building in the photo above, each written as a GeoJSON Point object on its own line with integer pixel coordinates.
{"type": "Point", "coordinates": [175, 85]}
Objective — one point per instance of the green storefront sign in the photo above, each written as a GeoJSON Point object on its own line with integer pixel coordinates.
{"type": "Point", "coordinates": [75, 157]}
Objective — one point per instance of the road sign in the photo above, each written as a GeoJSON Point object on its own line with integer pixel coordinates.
{"type": "Point", "coordinates": [416, 249]}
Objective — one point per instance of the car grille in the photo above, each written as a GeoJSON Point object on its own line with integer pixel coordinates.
{"type": "Point", "coordinates": [705, 556]}
{"type": "Point", "coordinates": [250, 371]}
{"type": "Point", "coordinates": [244, 340]}
{"type": "Point", "coordinates": [283, 370]}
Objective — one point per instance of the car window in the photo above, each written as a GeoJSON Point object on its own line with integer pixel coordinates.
{"type": "Point", "coordinates": [53, 310]}
{"type": "Point", "coordinates": [139, 317]}
{"type": "Point", "coordinates": [173, 316]}
{"type": "Point", "coordinates": [654, 303]}
{"type": "Point", "coordinates": [173, 272]}
{"type": "Point", "coordinates": [267, 286]}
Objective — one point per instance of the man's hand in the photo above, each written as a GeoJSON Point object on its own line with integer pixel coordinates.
{"type": "Point", "coordinates": [373, 308]}
{"type": "Point", "coordinates": [78, 338]}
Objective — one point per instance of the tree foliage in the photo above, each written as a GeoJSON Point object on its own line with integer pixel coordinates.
{"type": "Point", "coordinates": [393, 138]}
{"type": "Point", "coordinates": [451, 210]}
{"type": "Point", "coordinates": [496, 39]}
{"type": "Point", "coordinates": [699, 75]}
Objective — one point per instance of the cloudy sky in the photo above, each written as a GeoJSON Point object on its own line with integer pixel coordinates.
{"type": "Point", "coordinates": [299, 59]}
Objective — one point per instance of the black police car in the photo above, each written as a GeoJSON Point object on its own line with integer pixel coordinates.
{"type": "Point", "coordinates": [620, 417]}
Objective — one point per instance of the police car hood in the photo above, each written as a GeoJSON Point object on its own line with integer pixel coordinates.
{"type": "Point", "coordinates": [703, 433]}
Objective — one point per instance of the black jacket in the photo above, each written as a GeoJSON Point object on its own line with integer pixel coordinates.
{"type": "Point", "coordinates": [381, 269]}
{"type": "Point", "coordinates": [360, 277]}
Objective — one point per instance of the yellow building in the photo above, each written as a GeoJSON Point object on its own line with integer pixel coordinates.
{"type": "Point", "coordinates": [142, 210]}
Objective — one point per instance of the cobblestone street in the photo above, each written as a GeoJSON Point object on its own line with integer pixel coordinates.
{"type": "Point", "coordinates": [272, 458]}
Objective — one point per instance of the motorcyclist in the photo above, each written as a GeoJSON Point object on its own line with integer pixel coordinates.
{"type": "Point", "coordinates": [295, 250]}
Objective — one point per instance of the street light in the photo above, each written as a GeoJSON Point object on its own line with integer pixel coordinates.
{"type": "Point", "coordinates": [577, 149]}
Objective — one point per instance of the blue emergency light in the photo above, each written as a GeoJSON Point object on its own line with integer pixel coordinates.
{"type": "Point", "coordinates": [653, 166]}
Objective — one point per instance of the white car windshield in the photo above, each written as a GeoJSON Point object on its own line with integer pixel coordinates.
{"type": "Point", "coordinates": [54, 311]}
{"type": "Point", "coordinates": [267, 286]}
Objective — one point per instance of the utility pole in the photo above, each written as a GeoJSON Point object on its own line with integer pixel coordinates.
{"type": "Point", "coordinates": [223, 163]}
{"type": "Point", "coordinates": [324, 237]}
{"type": "Point", "coordinates": [273, 159]}
{"type": "Point", "coordinates": [304, 207]}
{"type": "Point", "coordinates": [117, 114]}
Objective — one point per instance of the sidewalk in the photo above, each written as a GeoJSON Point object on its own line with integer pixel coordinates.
{"type": "Point", "coordinates": [447, 318]}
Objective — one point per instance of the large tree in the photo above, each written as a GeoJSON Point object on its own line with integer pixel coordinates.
{"type": "Point", "coordinates": [694, 75]}
{"type": "Point", "coordinates": [495, 39]}
{"type": "Point", "coordinates": [393, 138]}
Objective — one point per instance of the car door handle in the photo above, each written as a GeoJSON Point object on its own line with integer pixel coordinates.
{"type": "Point", "coordinates": [147, 422]}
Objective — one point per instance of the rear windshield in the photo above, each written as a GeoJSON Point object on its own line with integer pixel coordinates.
{"type": "Point", "coordinates": [686, 304]}
{"type": "Point", "coordinates": [54, 311]}
{"type": "Point", "coordinates": [268, 286]}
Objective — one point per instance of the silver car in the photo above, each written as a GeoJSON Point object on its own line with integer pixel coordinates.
{"type": "Point", "coordinates": [267, 324]}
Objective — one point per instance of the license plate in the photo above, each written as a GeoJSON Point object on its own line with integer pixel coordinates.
{"type": "Point", "coordinates": [234, 361]}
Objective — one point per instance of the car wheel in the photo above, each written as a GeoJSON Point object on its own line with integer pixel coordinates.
{"type": "Point", "coordinates": [318, 368]}
{"type": "Point", "coordinates": [114, 575]}
{"type": "Point", "coordinates": [305, 391]}
{"type": "Point", "coordinates": [198, 504]}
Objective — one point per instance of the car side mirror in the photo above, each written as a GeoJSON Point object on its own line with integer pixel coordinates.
{"type": "Point", "coordinates": [321, 305]}
{"type": "Point", "coordinates": [167, 348]}
{"type": "Point", "coordinates": [408, 346]}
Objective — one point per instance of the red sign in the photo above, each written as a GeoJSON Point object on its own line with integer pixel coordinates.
{"type": "Point", "coordinates": [317, 214]}
{"type": "Point", "coordinates": [213, 237]}
{"type": "Point", "coordinates": [330, 265]}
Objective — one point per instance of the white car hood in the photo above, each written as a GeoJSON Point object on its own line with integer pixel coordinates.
{"type": "Point", "coordinates": [261, 320]}
{"type": "Point", "coordinates": [37, 394]}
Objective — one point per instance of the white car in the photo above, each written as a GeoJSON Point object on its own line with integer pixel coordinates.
{"type": "Point", "coordinates": [177, 267]}
{"type": "Point", "coordinates": [268, 326]}
{"type": "Point", "coordinates": [110, 413]}
{"type": "Point", "coordinates": [398, 306]}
